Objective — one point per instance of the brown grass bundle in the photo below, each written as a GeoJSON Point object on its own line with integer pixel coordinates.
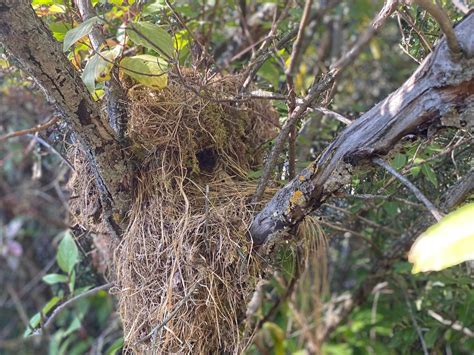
{"type": "Point", "coordinates": [184, 269]}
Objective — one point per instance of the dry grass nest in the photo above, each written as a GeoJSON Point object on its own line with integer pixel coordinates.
{"type": "Point", "coordinates": [184, 269]}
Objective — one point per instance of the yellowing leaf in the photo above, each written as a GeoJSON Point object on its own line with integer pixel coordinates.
{"type": "Point", "coordinates": [146, 69]}
{"type": "Point", "coordinates": [98, 68]}
{"type": "Point", "coordinates": [445, 244]}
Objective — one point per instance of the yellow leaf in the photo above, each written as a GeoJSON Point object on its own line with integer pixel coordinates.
{"type": "Point", "coordinates": [445, 244]}
{"type": "Point", "coordinates": [146, 69]}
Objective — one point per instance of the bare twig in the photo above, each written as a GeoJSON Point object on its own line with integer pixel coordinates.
{"type": "Point", "coordinates": [16, 301]}
{"type": "Point", "coordinates": [48, 146]}
{"type": "Point", "coordinates": [41, 127]}
{"type": "Point", "coordinates": [296, 51]}
{"type": "Point", "coordinates": [289, 72]}
{"type": "Point", "coordinates": [415, 323]}
{"type": "Point", "coordinates": [383, 197]}
{"type": "Point", "coordinates": [444, 23]}
{"type": "Point", "coordinates": [331, 114]}
{"type": "Point", "coordinates": [456, 325]}
{"type": "Point", "coordinates": [424, 42]}
{"type": "Point", "coordinates": [418, 194]}
{"type": "Point", "coordinates": [69, 302]}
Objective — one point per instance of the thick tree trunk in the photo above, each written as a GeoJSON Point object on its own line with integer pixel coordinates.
{"type": "Point", "coordinates": [441, 86]}
{"type": "Point", "coordinates": [25, 37]}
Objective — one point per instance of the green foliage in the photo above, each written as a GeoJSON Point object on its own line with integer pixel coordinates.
{"type": "Point", "coordinates": [75, 34]}
{"type": "Point", "coordinates": [153, 37]}
{"type": "Point", "coordinates": [68, 254]}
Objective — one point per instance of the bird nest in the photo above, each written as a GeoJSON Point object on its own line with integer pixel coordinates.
{"type": "Point", "coordinates": [184, 268]}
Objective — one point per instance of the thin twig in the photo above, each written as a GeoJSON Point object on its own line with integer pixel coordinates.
{"type": "Point", "coordinates": [289, 72]}
{"type": "Point", "coordinates": [445, 24]}
{"type": "Point", "coordinates": [418, 194]}
{"type": "Point", "coordinates": [41, 127]}
{"type": "Point", "coordinates": [296, 51]}
{"type": "Point", "coordinates": [45, 144]}
{"type": "Point", "coordinates": [116, 100]}
{"type": "Point", "coordinates": [456, 325]}
{"type": "Point", "coordinates": [66, 304]}
{"type": "Point", "coordinates": [331, 113]}
{"type": "Point", "coordinates": [424, 42]}
{"type": "Point", "coordinates": [382, 197]}
{"type": "Point", "coordinates": [415, 323]}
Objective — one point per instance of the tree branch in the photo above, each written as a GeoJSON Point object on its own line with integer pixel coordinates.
{"type": "Point", "coordinates": [438, 87]}
{"type": "Point", "coordinates": [41, 127]}
{"type": "Point", "coordinates": [316, 89]}
{"type": "Point", "coordinates": [25, 37]}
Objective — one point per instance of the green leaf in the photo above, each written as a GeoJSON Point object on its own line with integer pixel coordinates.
{"type": "Point", "coordinates": [68, 254]}
{"type": "Point", "coordinates": [115, 347]}
{"type": "Point", "coordinates": [59, 30]}
{"type": "Point", "coordinates": [447, 243]}
{"type": "Point", "coordinates": [151, 36]}
{"type": "Point", "coordinates": [399, 161]}
{"type": "Point", "coordinates": [146, 69]}
{"type": "Point", "coordinates": [429, 174]}
{"type": "Point", "coordinates": [98, 68]}
{"type": "Point", "coordinates": [75, 34]}
{"type": "Point", "coordinates": [52, 279]}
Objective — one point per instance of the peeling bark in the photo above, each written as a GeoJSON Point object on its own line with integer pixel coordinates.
{"type": "Point", "coordinates": [25, 37]}
{"type": "Point", "coordinates": [440, 86]}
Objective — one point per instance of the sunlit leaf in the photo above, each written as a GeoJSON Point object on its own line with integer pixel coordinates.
{"type": "Point", "coordinates": [151, 36]}
{"type": "Point", "coordinates": [98, 68]}
{"type": "Point", "coordinates": [75, 34]}
{"type": "Point", "coordinates": [447, 243]}
{"type": "Point", "coordinates": [146, 69]}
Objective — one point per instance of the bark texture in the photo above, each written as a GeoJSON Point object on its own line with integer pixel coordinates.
{"type": "Point", "coordinates": [25, 37]}
{"type": "Point", "coordinates": [441, 86]}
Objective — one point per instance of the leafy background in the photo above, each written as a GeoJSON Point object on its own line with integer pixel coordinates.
{"type": "Point", "coordinates": [44, 265]}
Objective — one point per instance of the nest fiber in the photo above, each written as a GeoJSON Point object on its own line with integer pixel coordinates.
{"type": "Point", "coordinates": [184, 268]}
